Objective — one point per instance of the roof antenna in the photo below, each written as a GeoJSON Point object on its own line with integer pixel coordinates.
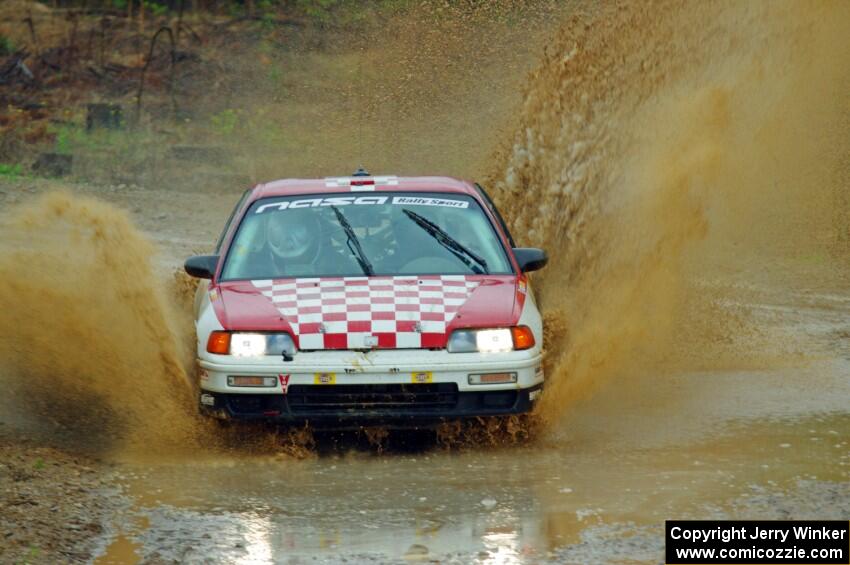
{"type": "Point", "coordinates": [361, 172]}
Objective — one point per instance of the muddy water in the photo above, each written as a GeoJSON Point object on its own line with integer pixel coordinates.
{"type": "Point", "coordinates": [520, 505]}
{"type": "Point", "coordinates": [743, 443]}
{"type": "Point", "coordinates": [664, 149]}
{"type": "Point", "coordinates": [700, 365]}
{"type": "Point", "coordinates": [76, 267]}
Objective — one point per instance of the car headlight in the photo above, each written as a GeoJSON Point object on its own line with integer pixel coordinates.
{"type": "Point", "coordinates": [244, 344]}
{"type": "Point", "coordinates": [247, 345]}
{"type": "Point", "coordinates": [490, 340]}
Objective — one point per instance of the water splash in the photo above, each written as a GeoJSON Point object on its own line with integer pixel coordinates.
{"type": "Point", "coordinates": [659, 148]}
{"type": "Point", "coordinates": [88, 337]}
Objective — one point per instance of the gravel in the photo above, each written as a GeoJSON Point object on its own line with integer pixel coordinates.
{"type": "Point", "coordinates": [57, 507]}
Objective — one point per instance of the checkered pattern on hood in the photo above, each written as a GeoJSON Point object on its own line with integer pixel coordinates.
{"type": "Point", "coordinates": [402, 312]}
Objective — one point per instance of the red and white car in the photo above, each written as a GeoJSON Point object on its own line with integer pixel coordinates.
{"type": "Point", "coordinates": [367, 298]}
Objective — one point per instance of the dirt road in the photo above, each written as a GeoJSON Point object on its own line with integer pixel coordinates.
{"type": "Point", "coordinates": [687, 170]}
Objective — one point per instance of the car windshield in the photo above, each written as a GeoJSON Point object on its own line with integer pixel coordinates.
{"type": "Point", "coordinates": [339, 235]}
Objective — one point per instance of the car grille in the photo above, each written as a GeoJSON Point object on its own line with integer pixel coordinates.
{"type": "Point", "coordinates": [310, 398]}
{"type": "Point", "coordinates": [254, 404]}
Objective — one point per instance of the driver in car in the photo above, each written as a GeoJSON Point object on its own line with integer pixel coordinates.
{"type": "Point", "coordinates": [298, 245]}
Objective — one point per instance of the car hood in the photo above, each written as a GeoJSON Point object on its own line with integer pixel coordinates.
{"type": "Point", "coordinates": [371, 312]}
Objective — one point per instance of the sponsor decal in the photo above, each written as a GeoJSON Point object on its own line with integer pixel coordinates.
{"type": "Point", "coordinates": [360, 201]}
{"type": "Point", "coordinates": [322, 202]}
{"type": "Point", "coordinates": [324, 378]}
{"type": "Point", "coordinates": [284, 382]}
{"type": "Point", "coordinates": [207, 400]}
{"type": "Point", "coordinates": [426, 201]}
{"type": "Point", "coordinates": [421, 377]}
{"type": "Point", "coordinates": [534, 394]}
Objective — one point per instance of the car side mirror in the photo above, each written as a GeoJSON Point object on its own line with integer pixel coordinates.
{"type": "Point", "coordinates": [201, 266]}
{"type": "Point", "coordinates": [530, 258]}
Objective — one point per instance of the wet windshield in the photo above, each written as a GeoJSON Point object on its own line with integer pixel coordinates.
{"type": "Point", "coordinates": [355, 235]}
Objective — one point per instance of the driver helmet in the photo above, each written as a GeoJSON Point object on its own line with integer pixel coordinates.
{"type": "Point", "coordinates": [293, 236]}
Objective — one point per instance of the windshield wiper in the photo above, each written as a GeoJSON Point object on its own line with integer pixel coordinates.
{"type": "Point", "coordinates": [454, 246]}
{"type": "Point", "coordinates": [354, 243]}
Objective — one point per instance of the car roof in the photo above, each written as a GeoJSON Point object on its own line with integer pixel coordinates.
{"type": "Point", "coordinates": [376, 183]}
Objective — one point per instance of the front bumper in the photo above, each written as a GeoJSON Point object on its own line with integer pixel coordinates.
{"type": "Point", "coordinates": [341, 404]}
{"type": "Point", "coordinates": [413, 386]}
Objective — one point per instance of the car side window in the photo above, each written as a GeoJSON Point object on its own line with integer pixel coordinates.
{"type": "Point", "coordinates": [224, 231]}
{"type": "Point", "coordinates": [496, 213]}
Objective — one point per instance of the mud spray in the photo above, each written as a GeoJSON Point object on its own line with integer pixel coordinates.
{"type": "Point", "coordinates": [88, 338]}
{"type": "Point", "coordinates": [656, 147]}
{"type": "Point", "coordinates": [659, 148]}
{"type": "Point", "coordinates": [97, 346]}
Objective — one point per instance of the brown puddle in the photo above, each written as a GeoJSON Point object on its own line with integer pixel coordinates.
{"type": "Point", "coordinates": [516, 504]}
{"type": "Point", "coordinates": [121, 551]}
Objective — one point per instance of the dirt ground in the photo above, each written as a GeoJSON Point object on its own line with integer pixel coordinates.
{"type": "Point", "coordinates": [57, 507]}
{"type": "Point", "coordinates": [686, 169]}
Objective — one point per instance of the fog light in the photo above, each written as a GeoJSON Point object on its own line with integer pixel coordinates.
{"type": "Point", "coordinates": [492, 378]}
{"type": "Point", "coordinates": [252, 381]}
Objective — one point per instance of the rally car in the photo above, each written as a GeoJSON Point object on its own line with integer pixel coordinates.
{"type": "Point", "coordinates": [367, 298]}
